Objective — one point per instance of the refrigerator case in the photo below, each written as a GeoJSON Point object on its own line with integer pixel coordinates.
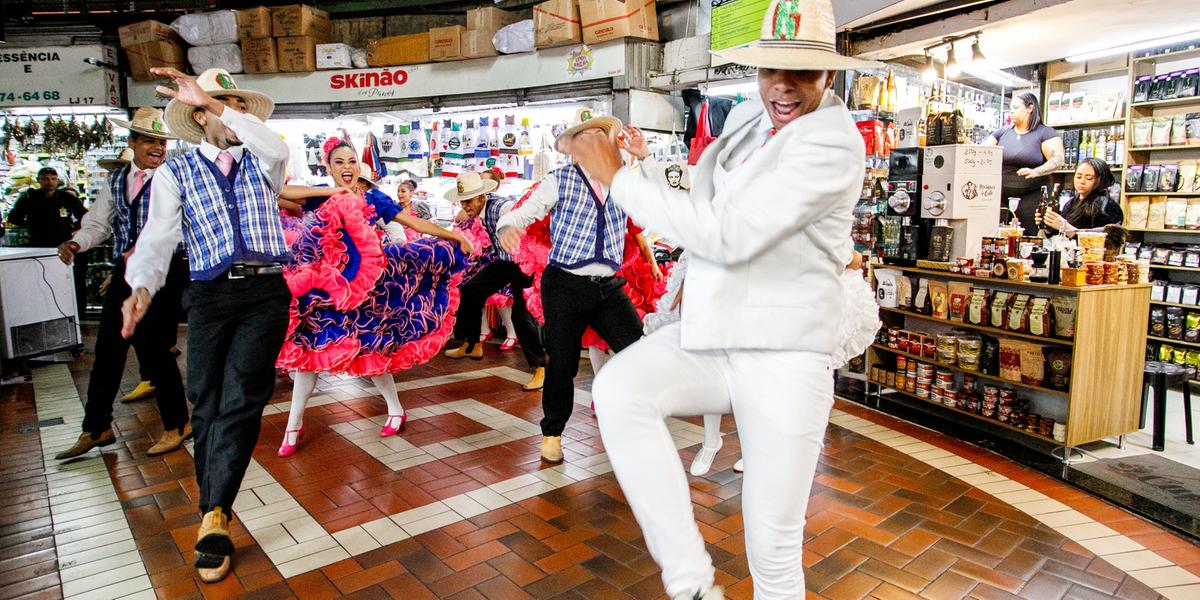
{"type": "Point", "coordinates": [37, 303]}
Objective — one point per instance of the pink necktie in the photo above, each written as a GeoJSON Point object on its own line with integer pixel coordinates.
{"type": "Point", "coordinates": [139, 180]}
{"type": "Point", "coordinates": [225, 162]}
{"type": "Point", "coordinates": [596, 189]}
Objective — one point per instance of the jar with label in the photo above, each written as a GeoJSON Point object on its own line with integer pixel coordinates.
{"type": "Point", "coordinates": [947, 348]}
{"type": "Point", "coordinates": [969, 348]}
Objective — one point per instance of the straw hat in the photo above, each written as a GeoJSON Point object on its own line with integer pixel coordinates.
{"type": "Point", "coordinates": [147, 121]}
{"type": "Point", "coordinates": [219, 84]}
{"type": "Point", "coordinates": [797, 35]}
{"type": "Point", "coordinates": [468, 185]}
{"type": "Point", "coordinates": [122, 159]}
{"type": "Point", "coordinates": [585, 119]}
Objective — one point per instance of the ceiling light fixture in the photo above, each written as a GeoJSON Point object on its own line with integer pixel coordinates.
{"type": "Point", "coordinates": [929, 74]}
{"type": "Point", "coordinates": [953, 69]}
{"type": "Point", "coordinates": [1135, 46]}
{"type": "Point", "coordinates": [977, 56]}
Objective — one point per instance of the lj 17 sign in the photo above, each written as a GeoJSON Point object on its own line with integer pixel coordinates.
{"type": "Point", "coordinates": [58, 76]}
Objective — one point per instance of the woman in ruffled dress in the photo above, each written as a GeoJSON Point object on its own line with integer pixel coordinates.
{"type": "Point", "coordinates": [362, 307]}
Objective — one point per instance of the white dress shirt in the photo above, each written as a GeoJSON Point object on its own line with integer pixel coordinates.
{"type": "Point", "coordinates": [147, 268]}
{"type": "Point", "coordinates": [539, 204]}
{"type": "Point", "coordinates": [96, 225]}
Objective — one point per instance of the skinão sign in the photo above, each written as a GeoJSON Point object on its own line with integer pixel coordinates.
{"type": "Point", "coordinates": [58, 76]}
{"type": "Point", "coordinates": [549, 66]}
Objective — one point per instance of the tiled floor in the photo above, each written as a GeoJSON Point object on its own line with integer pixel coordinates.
{"type": "Point", "coordinates": [460, 506]}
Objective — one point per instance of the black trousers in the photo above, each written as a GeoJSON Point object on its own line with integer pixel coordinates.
{"type": "Point", "coordinates": [152, 340]}
{"type": "Point", "coordinates": [475, 293]}
{"type": "Point", "coordinates": [572, 303]}
{"type": "Point", "coordinates": [235, 330]}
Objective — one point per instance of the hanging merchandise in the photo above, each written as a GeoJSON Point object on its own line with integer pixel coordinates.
{"type": "Point", "coordinates": [435, 150]}
{"type": "Point", "coordinates": [494, 141]}
{"type": "Point", "coordinates": [370, 159]}
{"type": "Point", "coordinates": [391, 150]}
{"type": "Point", "coordinates": [676, 170]}
{"type": "Point", "coordinates": [483, 152]}
{"type": "Point", "coordinates": [509, 135]}
{"type": "Point", "coordinates": [470, 139]}
{"type": "Point", "coordinates": [418, 146]}
{"type": "Point", "coordinates": [452, 159]}
{"type": "Point", "coordinates": [703, 136]}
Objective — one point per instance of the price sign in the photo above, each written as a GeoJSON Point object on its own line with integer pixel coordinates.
{"type": "Point", "coordinates": [58, 76]}
{"type": "Point", "coordinates": [736, 22]}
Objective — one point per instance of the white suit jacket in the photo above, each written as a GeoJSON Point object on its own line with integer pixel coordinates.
{"type": "Point", "coordinates": [768, 238]}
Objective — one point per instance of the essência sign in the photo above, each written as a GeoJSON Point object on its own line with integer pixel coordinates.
{"type": "Point", "coordinates": [58, 76]}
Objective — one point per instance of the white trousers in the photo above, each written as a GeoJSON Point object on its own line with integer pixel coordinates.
{"type": "Point", "coordinates": [781, 401]}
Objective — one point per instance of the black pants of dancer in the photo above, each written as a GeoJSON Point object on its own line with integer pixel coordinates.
{"type": "Point", "coordinates": [475, 293]}
{"type": "Point", "coordinates": [235, 330]}
{"type": "Point", "coordinates": [152, 340]}
{"type": "Point", "coordinates": [572, 303]}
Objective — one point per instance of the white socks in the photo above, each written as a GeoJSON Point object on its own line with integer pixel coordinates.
{"type": "Point", "coordinates": [506, 317]}
{"type": "Point", "coordinates": [386, 384]}
{"type": "Point", "coordinates": [303, 384]}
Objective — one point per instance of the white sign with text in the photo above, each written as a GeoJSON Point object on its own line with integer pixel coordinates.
{"type": "Point", "coordinates": [58, 76]}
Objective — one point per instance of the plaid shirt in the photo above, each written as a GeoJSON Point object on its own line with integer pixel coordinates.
{"type": "Point", "coordinates": [582, 230]}
{"type": "Point", "coordinates": [227, 219]}
{"type": "Point", "coordinates": [496, 207]}
{"type": "Point", "coordinates": [128, 217]}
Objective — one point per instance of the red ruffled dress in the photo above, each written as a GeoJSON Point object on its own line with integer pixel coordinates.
{"type": "Point", "coordinates": [641, 287]}
{"type": "Point", "coordinates": [360, 306]}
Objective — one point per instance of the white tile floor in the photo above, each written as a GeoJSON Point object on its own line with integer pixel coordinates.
{"type": "Point", "coordinates": [1140, 442]}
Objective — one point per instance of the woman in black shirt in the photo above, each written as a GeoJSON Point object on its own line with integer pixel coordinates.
{"type": "Point", "coordinates": [1032, 150]}
{"type": "Point", "coordinates": [1091, 206]}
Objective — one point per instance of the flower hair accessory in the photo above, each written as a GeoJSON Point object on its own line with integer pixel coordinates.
{"type": "Point", "coordinates": [332, 144]}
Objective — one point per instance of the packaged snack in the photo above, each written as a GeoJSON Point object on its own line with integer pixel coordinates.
{"type": "Point", "coordinates": [1141, 88]}
{"type": "Point", "coordinates": [959, 291]}
{"type": "Point", "coordinates": [1017, 315]}
{"type": "Point", "coordinates": [1176, 216]}
{"type": "Point", "coordinates": [1158, 293]}
{"type": "Point", "coordinates": [1158, 87]}
{"type": "Point", "coordinates": [1064, 315]}
{"type": "Point", "coordinates": [1187, 176]}
{"type": "Point", "coordinates": [1150, 177]}
{"type": "Point", "coordinates": [939, 299]}
{"type": "Point", "coordinates": [1168, 178]}
{"type": "Point", "coordinates": [1188, 83]}
{"type": "Point", "coordinates": [1178, 130]}
{"type": "Point", "coordinates": [999, 308]}
{"type": "Point", "coordinates": [1139, 212]}
{"type": "Point", "coordinates": [1193, 363]}
{"type": "Point", "coordinates": [1191, 295]}
{"type": "Point", "coordinates": [1193, 128]}
{"type": "Point", "coordinates": [1175, 322]}
{"type": "Point", "coordinates": [886, 288]}
{"type": "Point", "coordinates": [1171, 89]}
{"type": "Point", "coordinates": [1179, 357]}
{"type": "Point", "coordinates": [1041, 317]}
{"type": "Point", "coordinates": [1175, 293]}
{"type": "Point", "coordinates": [1058, 367]}
{"type": "Point", "coordinates": [1160, 255]}
{"type": "Point", "coordinates": [1191, 327]}
{"type": "Point", "coordinates": [1143, 128]}
{"type": "Point", "coordinates": [903, 292]}
{"type": "Point", "coordinates": [1193, 213]}
{"type": "Point", "coordinates": [1010, 360]}
{"type": "Point", "coordinates": [1191, 257]}
{"type": "Point", "coordinates": [1158, 321]}
{"type": "Point", "coordinates": [977, 307]}
{"type": "Point", "coordinates": [1156, 217]}
{"type": "Point", "coordinates": [989, 356]}
{"type": "Point", "coordinates": [1133, 178]}
{"type": "Point", "coordinates": [1033, 364]}
{"type": "Point", "coordinates": [921, 299]}
{"type": "Point", "coordinates": [1166, 352]}
{"type": "Point", "coordinates": [1160, 134]}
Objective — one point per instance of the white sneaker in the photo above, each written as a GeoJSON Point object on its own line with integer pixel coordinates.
{"type": "Point", "coordinates": [715, 592]}
{"type": "Point", "coordinates": [704, 459]}
{"type": "Point", "coordinates": [739, 467]}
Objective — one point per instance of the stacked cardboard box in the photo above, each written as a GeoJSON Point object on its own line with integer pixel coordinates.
{"type": "Point", "coordinates": [283, 38]}
{"type": "Point", "coordinates": [398, 50]}
{"type": "Point", "coordinates": [151, 44]}
{"type": "Point", "coordinates": [482, 25]}
{"type": "Point", "coordinates": [445, 43]}
{"type": "Point", "coordinates": [605, 20]}
{"type": "Point", "coordinates": [556, 23]}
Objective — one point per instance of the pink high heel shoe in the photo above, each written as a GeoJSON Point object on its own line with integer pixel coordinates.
{"type": "Point", "coordinates": [388, 429]}
{"type": "Point", "coordinates": [286, 449]}
{"type": "Point", "coordinates": [508, 344]}
{"type": "Point", "coordinates": [483, 337]}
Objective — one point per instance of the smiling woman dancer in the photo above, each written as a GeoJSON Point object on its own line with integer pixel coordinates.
{"type": "Point", "coordinates": [360, 307]}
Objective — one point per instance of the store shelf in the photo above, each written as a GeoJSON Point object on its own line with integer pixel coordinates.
{"type": "Point", "coordinates": [1166, 148]}
{"type": "Point", "coordinates": [1161, 303]}
{"type": "Point", "coordinates": [1071, 171]}
{"type": "Point", "coordinates": [1065, 289]}
{"type": "Point", "coordinates": [1102, 74]}
{"type": "Point", "coordinates": [1167, 231]}
{"type": "Point", "coordinates": [1185, 194]}
{"type": "Point", "coordinates": [1190, 100]}
{"type": "Point", "coordinates": [1171, 268]}
{"type": "Point", "coordinates": [979, 374]}
{"type": "Point", "coordinates": [1096, 123]}
{"type": "Point", "coordinates": [1169, 56]}
{"type": "Point", "coordinates": [995, 422]}
{"type": "Point", "coordinates": [983, 328]}
{"type": "Point", "coordinates": [1171, 341]}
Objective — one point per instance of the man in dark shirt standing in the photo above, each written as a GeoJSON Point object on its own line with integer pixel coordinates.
{"type": "Point", "coordinates": [50, 215]}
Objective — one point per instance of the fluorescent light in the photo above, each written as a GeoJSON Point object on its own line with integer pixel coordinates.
{"type": "Point", "coordinates": [1135, 46]}
{"type": "Point", "coordinates": [994, 75]}
{"type": "Point", "coordinates": [732, 87]}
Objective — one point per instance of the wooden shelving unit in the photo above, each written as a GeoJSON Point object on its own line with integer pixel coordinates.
{"type": "Point", "coordinates": [1086, 124]}
{"type": "Point", "coordinates": [995, 422]}
{"type": "Point", "coordinates": [1104, 397]}
{"type": "Point", "coordinates": [1171, 341]}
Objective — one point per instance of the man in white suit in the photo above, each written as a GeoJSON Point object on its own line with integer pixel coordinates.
{"type": "Point", "coordinates": [767, 224]}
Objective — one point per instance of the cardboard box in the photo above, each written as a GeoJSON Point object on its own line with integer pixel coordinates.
{"type": "Point", "coordinates": [490, 18]}
{"type": "Point", "coordinates": [397, 50]}
{"type": "Point", "coordinates": [155, 54]}
{"type": "Point", "coordinates": [556, 23]}
{"type": "Point", "coordinates": [254, 23]}
{"type": "Point", "coordinates": [146, 31]}
{"type": "Point", "coordinates": [297, 20]}
{"type": "Point", "coordinates": [260, 55]}
{"type": "Point", "coordinates": [478, 43]}
{"type": "Point", "coordinates": [445, 43]}
{"type": "Point", "coordinates": [297, 54]}
{"type": "Point", "coordinates": [605, 20]}
{"type": "Point", "coordinates": [334, 56]}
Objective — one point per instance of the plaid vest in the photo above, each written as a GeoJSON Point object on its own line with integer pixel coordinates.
{"type": "Point", "coordinates": [227, 219]}
{"type": "Point", "coordinates": [491, 217]}
{"type": "Point", "coordinates": [129, 217]}
{"type": "Point", "coordinates": [583, 231]}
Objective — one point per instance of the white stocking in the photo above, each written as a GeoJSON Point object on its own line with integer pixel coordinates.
{"type": "Point", "coordinates": [712, 430]}
{"type": "Point", "coordinates": [598, 357]}
{"type": "Point", "coordinates": [510, 331]}
{"type": "Point", "coordinates": [386, 384]}
{"type": "Point", "coordinates": [484, 327]}
{"type": "Point", "coordinates": [302, 388]}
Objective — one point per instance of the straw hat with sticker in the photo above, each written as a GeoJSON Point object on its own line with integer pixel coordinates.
{"type": "Point", "coordinates": [796, 35]}
{"type": "Point", "coordinates": [122, 159]}
{"type": "Point", "coordinates": [147, 121]}
{"type": "Point", "coordinates": [469, 185]}
{"type": "Point", "coordinates": [585, 119]}
{"type": "Point", "coordinates": [218, 83]}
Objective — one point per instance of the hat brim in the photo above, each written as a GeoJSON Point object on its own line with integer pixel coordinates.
{"type": "Point", "coordinates": [179, 115]}
{"type": "Point", "coordinates": [608, 124]}
{"type": "Point", "coordinates": [158, 135]}
{"type": "Point", "coordinates": [368, 181]}
{"type": "Point", "coordinates": [792, 59]}
{"type": "Point", "coordinates": [489, 186]}
{"type": "Point", "coordinates": [111, 164]}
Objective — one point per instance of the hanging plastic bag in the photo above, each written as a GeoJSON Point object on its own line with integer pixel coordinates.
{"type": "Point", "coordinates": [515, 38]}
{"type": "Point", "coordinates": [703, 136]}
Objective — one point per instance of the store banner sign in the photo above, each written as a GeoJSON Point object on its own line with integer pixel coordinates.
{"type": "Point", "coordinates": [551, 66]}
{"type": "Point", "coordinates": [58, 76]}
{"type": "Point", "coordinates": [736, 22]}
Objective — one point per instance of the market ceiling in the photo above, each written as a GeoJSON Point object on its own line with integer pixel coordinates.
{"type": "Point", "coordinates": [1018, 32]}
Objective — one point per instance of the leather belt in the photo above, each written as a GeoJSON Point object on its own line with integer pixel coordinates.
{"type": "Point", "coordinates": [241, 271]}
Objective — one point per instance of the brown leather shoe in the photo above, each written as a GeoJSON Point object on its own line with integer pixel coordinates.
{"type": "Point", "coordinates": [144, 390]}
{"type": "Point", "coordinates": [552, 448]}
{"type": "Point", "coordinates": [212, 574]}
{"type": "Point", "coordinates": [86, 442]}
{"type": "Point", "coordinates": [463, 352]}
{"type": "Point", "coordinates": [537, 381]}
{"type": "Point", "coordinates": [171, 440]}
{"type": "Point", "coordinates": [214, 547]}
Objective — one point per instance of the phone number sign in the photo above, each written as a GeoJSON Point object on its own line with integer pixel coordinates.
{"type": "Point", "coordinates": [58, 76]}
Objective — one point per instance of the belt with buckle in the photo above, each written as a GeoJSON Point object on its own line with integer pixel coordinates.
{"type": "Point", "coordinates": [240, 271]}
